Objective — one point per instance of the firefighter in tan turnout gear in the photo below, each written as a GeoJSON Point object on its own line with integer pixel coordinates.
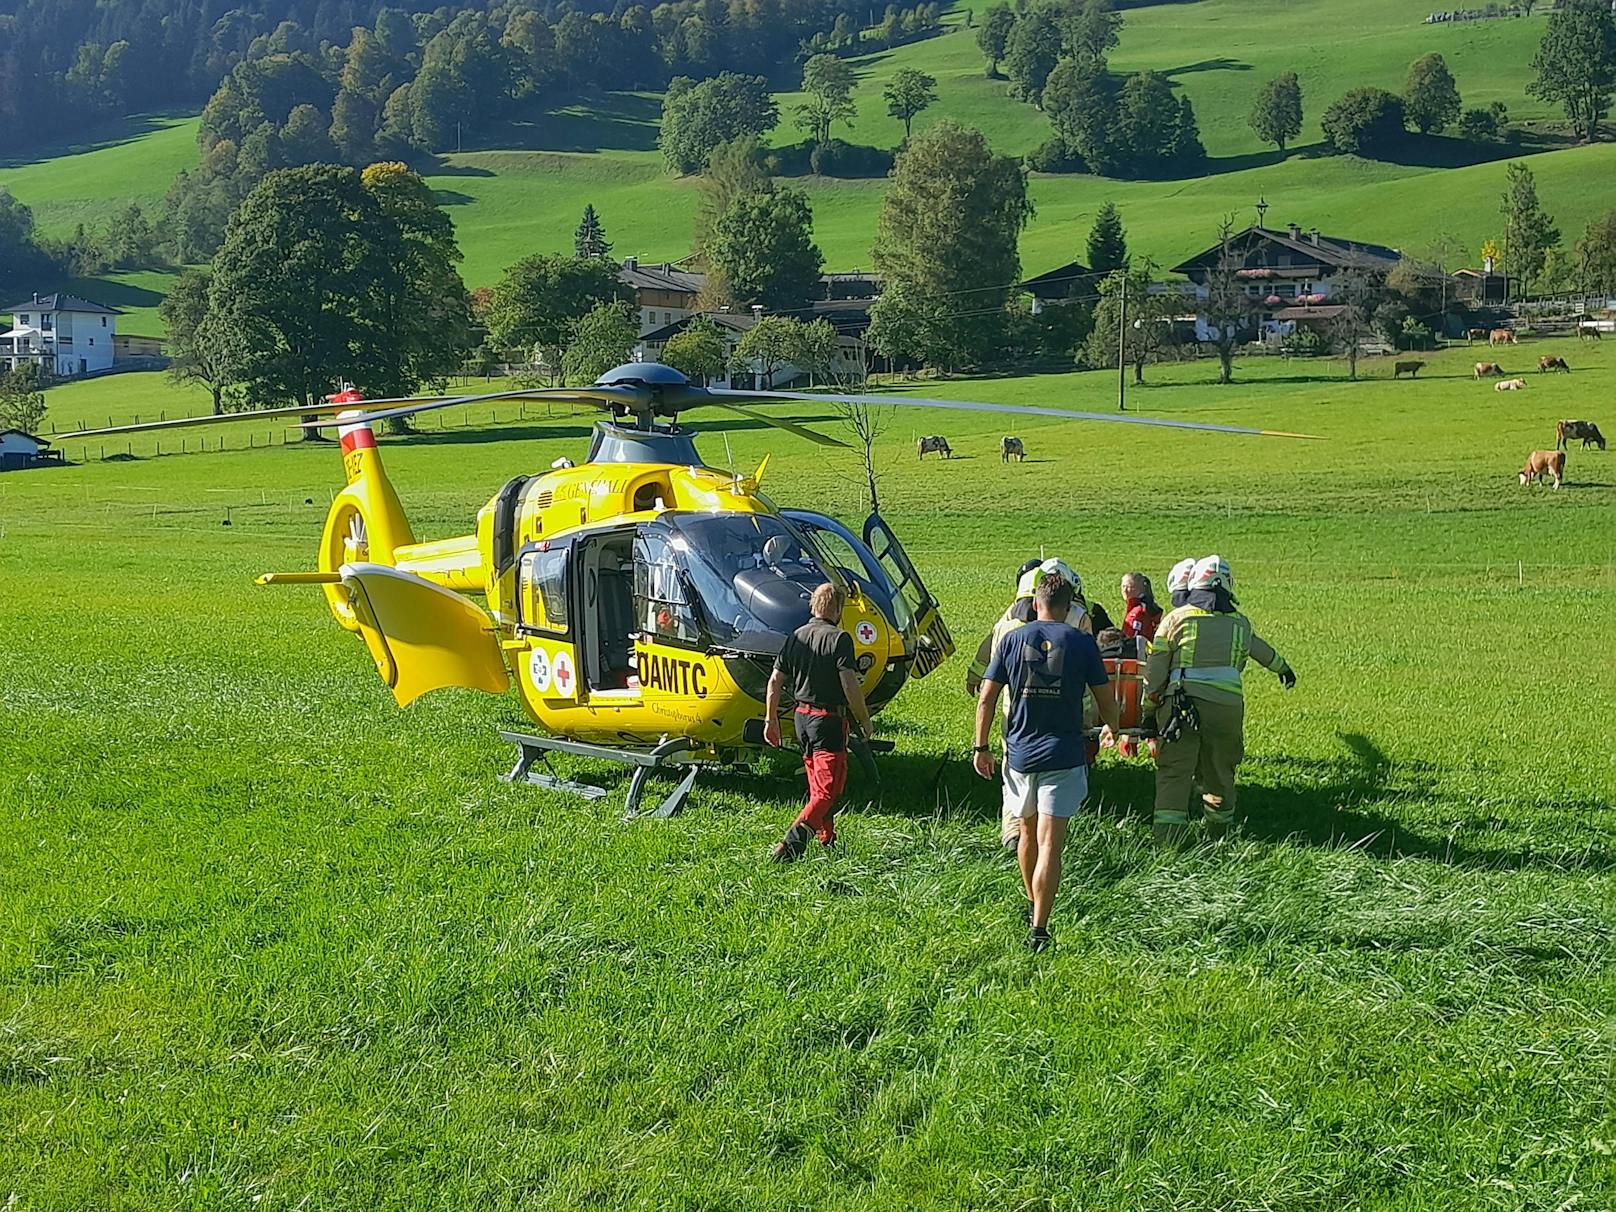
{"type": "Point", "coordinates": [1193, 679]}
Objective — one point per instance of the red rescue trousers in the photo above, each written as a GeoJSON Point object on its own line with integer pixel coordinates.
{"type": "Point", "coordinates": [822, 736]}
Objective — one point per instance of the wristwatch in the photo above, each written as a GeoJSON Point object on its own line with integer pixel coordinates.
{"type": "Point", "coordinates": [981, 749]}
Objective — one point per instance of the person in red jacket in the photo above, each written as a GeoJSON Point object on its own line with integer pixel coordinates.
{"type": "Point", "coordinates": [1142, 613]}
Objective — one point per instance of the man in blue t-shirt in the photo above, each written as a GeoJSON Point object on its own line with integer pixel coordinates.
{"type": "Point", "coordinates": [1045, 666]}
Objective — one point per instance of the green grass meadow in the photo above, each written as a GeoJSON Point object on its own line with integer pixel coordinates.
{"type": "Point", "coordinates": [521, 189]}
{"type": "Point", "coordinates": [267, 942]}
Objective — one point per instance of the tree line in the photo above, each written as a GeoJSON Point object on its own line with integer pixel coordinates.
{"type": "Point", "coordinates": [1110, 125]}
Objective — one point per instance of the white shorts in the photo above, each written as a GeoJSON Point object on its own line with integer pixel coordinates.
{"type": "Point", "coordinates": [1058, 793]}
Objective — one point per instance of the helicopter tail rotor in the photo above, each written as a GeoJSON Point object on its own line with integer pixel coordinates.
{"type": "Point", "coordinates": [366, 523]}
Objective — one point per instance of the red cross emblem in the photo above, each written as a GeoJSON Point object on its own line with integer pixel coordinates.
{"type": "Point", "coordinates": [563, 673]}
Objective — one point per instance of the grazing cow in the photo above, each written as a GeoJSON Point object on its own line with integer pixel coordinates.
{"type": "Point", "coordinates": [1509, 385]}
{"type": "Point", "coordinates": [1567, 431]}
{"type": "Point", "coordinates": [1411, 369]}
{"type": "Point", "coordinates": [926, 445]}
{"type": "Point", "coordinates": [1544, 465]}
{"type": "Point", "coordinates": [1546, 363]}
{"type": "Point", "coordinates": [1012, 448]}
{"type": "Point", "coordinates": [1483, 369]}
{"type": "Point", "coordinates": [1475, 334]}
{"type": "Point", "coordinates": [1587, 332]}
{"type": "Point", "coordinates": [1500, 336]}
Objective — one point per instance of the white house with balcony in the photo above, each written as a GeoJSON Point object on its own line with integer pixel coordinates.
{"type": "Point", "coordinates": [67, 335]}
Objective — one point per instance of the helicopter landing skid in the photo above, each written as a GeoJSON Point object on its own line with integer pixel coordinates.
{"type": "Point", "coordinates": [532, 749]}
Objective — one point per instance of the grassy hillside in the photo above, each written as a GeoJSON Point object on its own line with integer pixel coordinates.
{"type": "Point", "coordinates": [267, 942]}
{"type": "Point", "coordinates": [523, 188]}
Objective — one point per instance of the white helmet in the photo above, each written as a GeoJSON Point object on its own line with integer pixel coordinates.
{"type": "Point", "coordinates": [1059, 567]}
{"type": "Point", "coordinates": [1212, 573]}
{"type": "Point", "coordinates": [1178, 580]}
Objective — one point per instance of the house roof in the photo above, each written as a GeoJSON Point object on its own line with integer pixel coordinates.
{"type": "Point", "coordinates": [1062, 278]}
{"type": "Point", "coordinates": [665, 276]}
{"type": "Point", "coordinates": [22, 433]}
{"type": "Point", "coordinates": [1328, 311]}
{"type": "Point", "coordinates": [732, 320]}
{"type": "Point", "coordinates": [61, 301]}
{"type": "Point", "coordinates": [1328, 250]}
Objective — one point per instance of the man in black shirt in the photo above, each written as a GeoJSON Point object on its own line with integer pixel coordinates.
{"type": "Point", "coordinates": [818, 661]}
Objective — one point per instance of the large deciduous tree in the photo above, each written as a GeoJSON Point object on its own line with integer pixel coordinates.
{"type": "Point", "coordinates": [599, 340]}
{"type": "Point", "coordinates": [993, 35]}
{"type": "Point", "coordinates": [537, 301]}
{"type": "Point", "coordinates": [1143, 316]}
{"type": "Point", "coordinates": [1365, 122]}
{"type": "Point", "coordinates": [946, 245]}
{"type": "Point", "coordinates": [295, 281]}
{"type": "Point", "coordinates": [1431, 97]}
{"type": "Point", "coordinates": [697, 351]}
{"type": "Point", "coordinates": [829, 83]}
{"type": "Point", "coordinates": [1094, 29]}
{"type": "Point", "coordinates": [1596, 254]}
{"type": "Point", "coordinates": [422, 305]}
{"type": "Point", "coordinates": [1031, 53]}
{"type": "Point", "coordinates": [198, 351]}
{"type": "Point", "coordinates": [1575, 64]}
{"type": "Point", "coordinates": [763, 247]}
{"type": "Point", "coordinates": [769, 346]}
{"type": "Point", "coordinates": [696, 118]}
{"type": "Point", "coordinates": [1228, 309]}
{"type": "Point", "coordinates": [1080, 98]}
{"type": "Point", "coordinates": [906, 94]}
{"type": "Point", "coordinates": [1276, 114]}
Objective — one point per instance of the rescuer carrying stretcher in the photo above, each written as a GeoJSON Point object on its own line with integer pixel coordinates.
{"type": "Point", "coordinates": [1193, 680]}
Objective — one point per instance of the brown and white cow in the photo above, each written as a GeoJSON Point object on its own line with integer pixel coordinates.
{"type": "Point", "coordinates": [1509, 385]}
{"type": "Point", "coordinates": [1571, 431]}
{"type": "Point", "coordinates": [1475, 334]}
{"type": "Point", "coordinates": [925, 446]}
{"type": "Point", "coordinates": [1544, 465]}
{"type": "Point", "coordinates": [1483, 369]}
{"type": "Point", "coordinates": [1411, 369]}
{"type": "Point", "coordinates": [1548, 362]}
{"type": "Point", "coordinates": [1012, 448]}
{"type": "Point", "coordinates": [1501, 336]}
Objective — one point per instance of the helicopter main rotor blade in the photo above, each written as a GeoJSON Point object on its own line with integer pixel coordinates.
{"type": "Point", "coordinates": [627, 398]}
{"type": "Point", "coordinates": [721, 396]}
{"type": "Point", "coordinates": [789, 426]}
{"type": "Point", "coordinates": [224, 418]}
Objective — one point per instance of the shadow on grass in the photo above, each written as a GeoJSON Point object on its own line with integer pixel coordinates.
{"type": "Point", "coordinates": [1222, 64]}
{"type": "Point", "coordinates": [124, 130]}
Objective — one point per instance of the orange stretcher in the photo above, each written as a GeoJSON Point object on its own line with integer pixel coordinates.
{"type": "Point", "coordinates": [1128, 682]}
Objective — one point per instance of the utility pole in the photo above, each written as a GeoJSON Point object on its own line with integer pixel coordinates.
{"type": "Point", "coordinates": [1122, 347]}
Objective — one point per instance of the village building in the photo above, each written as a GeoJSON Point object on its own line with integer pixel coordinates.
{"type": "Point", "coordinates": [19, 450]}
{"type": "Point", "coordinates": [663, 294]}
{"type": "Point", "coordinates": [1287, 276]}
{"type": "Point", "coordinates": [66, 335]}
{"type": "Point", "coordinates": [1063, 284]}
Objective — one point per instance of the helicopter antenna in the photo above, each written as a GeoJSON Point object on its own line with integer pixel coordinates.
{"type": "Point", "coordinates": [729, 458]}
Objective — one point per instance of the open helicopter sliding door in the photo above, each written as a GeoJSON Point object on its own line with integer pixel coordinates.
{"type": "Point", "coordinates": [546, 612]}
{"type": "Point", "coordinates": [934, 644]}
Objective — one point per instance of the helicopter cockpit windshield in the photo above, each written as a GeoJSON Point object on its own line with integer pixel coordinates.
{"type": "Point", "coordinates": [749, 572]}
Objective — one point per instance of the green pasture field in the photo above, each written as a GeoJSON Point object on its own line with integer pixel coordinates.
{"type": "Point", "coordinates": [267, 942]}
{"type": "Point", "coordinates": [521, 189]}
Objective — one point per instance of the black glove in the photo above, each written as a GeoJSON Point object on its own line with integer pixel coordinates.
{"type": "Point", "coordinates": [1287, 678]}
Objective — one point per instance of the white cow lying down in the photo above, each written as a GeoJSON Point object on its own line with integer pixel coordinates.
{"type": "Point", "coordinates": [1509, 384]}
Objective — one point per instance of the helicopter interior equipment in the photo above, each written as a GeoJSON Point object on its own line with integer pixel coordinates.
{"type": "Point", "coordinates": [637, 599]}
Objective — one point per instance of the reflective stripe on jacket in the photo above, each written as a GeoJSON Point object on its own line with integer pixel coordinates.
{"type": "Point", "coordinates": [1208, 652]}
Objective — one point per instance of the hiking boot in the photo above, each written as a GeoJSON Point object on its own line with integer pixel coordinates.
{"type": "Point", "coordinates": [1011, 842]}
{"type": "Point", "coordinates": [791, 847]}
{"type": "Point", "coordinates": [1039, 939]}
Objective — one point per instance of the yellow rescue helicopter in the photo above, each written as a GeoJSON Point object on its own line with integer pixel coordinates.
{"type": "Point", "coordinates": [637, 599]}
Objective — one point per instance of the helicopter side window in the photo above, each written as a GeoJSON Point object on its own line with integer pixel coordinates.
{"type": "Point", "coordinates": [544, 589]}
{"type": "Point", "coordinates": [661, 603]}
